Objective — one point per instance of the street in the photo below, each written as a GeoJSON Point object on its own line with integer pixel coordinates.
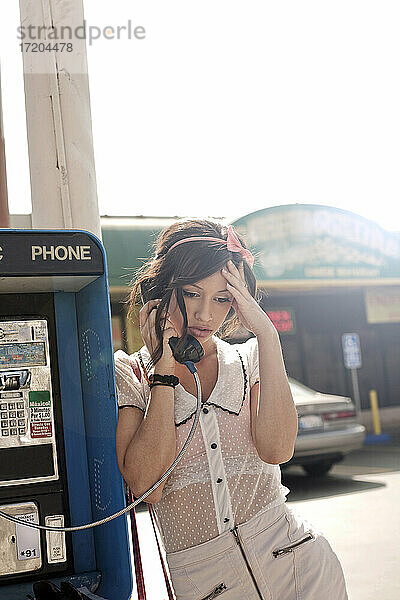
{"type": "Point", "coordinates": [357, 508]}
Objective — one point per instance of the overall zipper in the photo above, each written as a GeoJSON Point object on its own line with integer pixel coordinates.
{"type": "Point", "coordinates": [288, 549]}
{"type": "Point", "coordinates": [236, 535]}
{"type": "Point", "coordinates": [216, 592]}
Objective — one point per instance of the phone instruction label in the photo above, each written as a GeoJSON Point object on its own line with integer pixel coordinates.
{"type": "Point", "coordinates": [28, 539]}
{"type": "Point", "coordinates": [40, 414]}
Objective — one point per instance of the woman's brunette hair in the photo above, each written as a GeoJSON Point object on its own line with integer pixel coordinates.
{"type": "Point", "coordinates": [185, 264]}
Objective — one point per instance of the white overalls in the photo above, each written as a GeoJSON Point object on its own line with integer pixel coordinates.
{"type": "Point", "coordinates": [274, 556]}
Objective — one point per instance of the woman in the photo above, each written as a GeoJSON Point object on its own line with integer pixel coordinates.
{"type": "Point", "coordinates": [221, 513]}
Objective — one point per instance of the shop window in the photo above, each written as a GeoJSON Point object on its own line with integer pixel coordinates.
{"type": "Point", "coordinates": [116, 324]}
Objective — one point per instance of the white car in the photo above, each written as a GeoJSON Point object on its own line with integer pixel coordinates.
{"type": "Point", "coordinates": [328, 429]}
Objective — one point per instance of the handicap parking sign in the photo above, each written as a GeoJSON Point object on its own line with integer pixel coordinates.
{"type": "Point", "coordinates": [351, 350]}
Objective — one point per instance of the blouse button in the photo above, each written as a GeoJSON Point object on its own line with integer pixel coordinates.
{"type": "Point", "coordinates": [205, 410]}
{"type": "Point", "coordinates": [213, 446]}
{"type": "Point", "coordinates": [219, 480]}
{"type": "Point", "coordinates": [226, 520]}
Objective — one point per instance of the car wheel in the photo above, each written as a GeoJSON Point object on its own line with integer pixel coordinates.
{"type": "Point", "coordinates": [318, 469]}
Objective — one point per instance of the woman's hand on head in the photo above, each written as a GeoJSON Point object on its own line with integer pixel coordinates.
{"type": "Point", "coordinates": [147, 324]}
{"type": "Point", "coordinates": [250, 313]}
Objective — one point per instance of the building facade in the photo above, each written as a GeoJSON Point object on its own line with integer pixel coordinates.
{"type": "Point", "coordinates": [322, 272]}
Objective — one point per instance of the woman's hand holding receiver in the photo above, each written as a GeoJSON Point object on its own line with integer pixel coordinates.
{"type": "Point", "coordinates": [138, 434]}
{"type": "Point", "coordinates": [147, 321]}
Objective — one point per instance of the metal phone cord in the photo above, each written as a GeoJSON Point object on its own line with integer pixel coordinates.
{"type": "Point", "coordinates": [193, 370]}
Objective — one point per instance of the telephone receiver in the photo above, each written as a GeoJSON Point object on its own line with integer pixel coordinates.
{"type": "Point", "coordinates": [186, 349]}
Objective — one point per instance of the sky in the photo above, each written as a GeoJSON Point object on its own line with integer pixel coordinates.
{"type": "Point", "coordinates": [228, 107]}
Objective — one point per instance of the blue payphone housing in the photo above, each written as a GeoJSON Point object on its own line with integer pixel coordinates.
{"type": "Point", "coordinates": [57, 443]}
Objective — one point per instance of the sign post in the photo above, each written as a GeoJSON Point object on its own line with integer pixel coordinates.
{"type": "Point", "coordinates": [352, 360]}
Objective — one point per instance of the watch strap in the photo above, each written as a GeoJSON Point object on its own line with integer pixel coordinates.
{"type": "Point", "coordinates": [170, 380]}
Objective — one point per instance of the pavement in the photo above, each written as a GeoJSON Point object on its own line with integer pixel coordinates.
{"type": "Point", "coordinates": [355, 507]}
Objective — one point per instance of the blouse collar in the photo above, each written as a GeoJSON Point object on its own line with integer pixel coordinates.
{"type": "Point", "coordinates": [230, 388]}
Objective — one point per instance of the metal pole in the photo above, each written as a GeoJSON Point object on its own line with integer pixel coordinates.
{"type": "Point", "coordinates": [59, 125]}
{"type": "Point", "coordinates": [357, 402]}
{"type": "Point", "coordinates": [4, 212]}
{"type": "Point", "coordinates": [373, 400]}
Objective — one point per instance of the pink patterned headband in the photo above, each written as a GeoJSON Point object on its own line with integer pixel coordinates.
{"type": "Point", "coordinates": [232, 242]}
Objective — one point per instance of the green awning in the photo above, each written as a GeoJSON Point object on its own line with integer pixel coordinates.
{"type": "Point", "coordinates": [128, 242]}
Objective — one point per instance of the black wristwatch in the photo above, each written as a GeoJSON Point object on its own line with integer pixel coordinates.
{"type": "Point", "coordinates": [170, 380]}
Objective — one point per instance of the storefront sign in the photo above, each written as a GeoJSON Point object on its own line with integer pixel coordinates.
{"type": "Point", "coordinates": [383, 305]}
{"type": "Point", "coordinates": [312, 242]}
{"type": "Point", "coordinates": [283, 319]}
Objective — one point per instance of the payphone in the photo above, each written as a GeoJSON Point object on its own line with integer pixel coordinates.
{"type": "Point", "coordinates": [58, 416]}
{"type": "Point", "coordinates": [28, 452]}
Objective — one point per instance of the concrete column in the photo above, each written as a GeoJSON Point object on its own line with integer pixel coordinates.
{"type": "Point", "coordinates": [59, 125]}
{"type": "Point", "coordinates": [4, 213]}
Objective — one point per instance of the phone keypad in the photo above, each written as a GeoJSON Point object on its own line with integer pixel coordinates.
{"type": "Point", "coordinates": [13, 422]}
